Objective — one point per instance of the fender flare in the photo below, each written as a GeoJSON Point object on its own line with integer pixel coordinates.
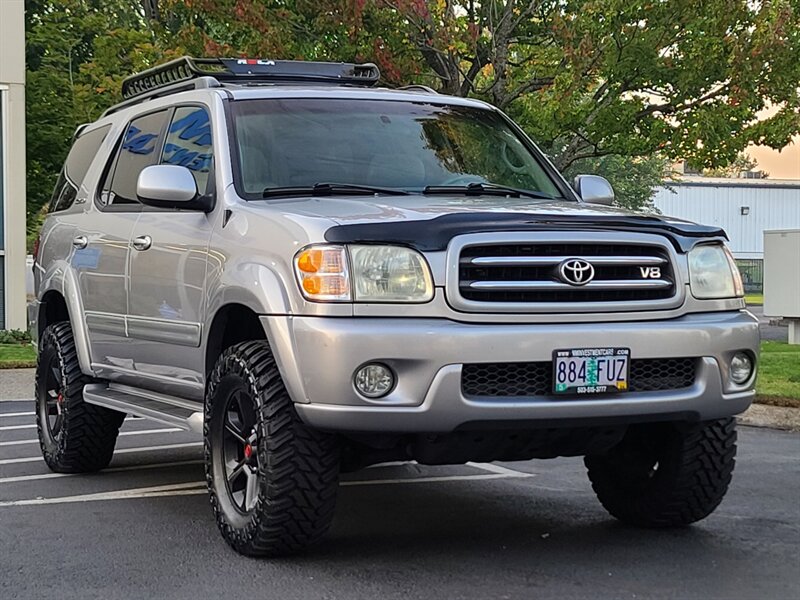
{"type": "Point", "coordinates": [60, 278]}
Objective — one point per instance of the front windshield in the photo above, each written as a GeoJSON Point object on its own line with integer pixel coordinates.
{"type": "Point", "coordinates": [295, 142]}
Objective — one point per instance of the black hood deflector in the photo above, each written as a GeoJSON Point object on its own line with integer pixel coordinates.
{"type": "Point", "coordinates": [435, 234]}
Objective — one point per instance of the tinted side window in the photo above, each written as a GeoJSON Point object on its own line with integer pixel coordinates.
{"type": "Point", "coordinates": [188, 143]}
{"type": "Point", "coordinates": [80, 157]}
{"type": "Point", "coordinates": [140, 148]}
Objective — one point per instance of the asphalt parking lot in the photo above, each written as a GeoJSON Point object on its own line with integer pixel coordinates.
{"type": "Point", "coordinates": [143, 529]}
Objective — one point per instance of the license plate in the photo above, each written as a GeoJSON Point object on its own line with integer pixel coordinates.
{"type": "Point", "coordinates": [591, 370]}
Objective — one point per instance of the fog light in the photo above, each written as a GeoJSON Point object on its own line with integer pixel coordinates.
{"type": "Point", "coordinates": [374, 380]}
{"type": "Point", "coordinates": [741, 368]}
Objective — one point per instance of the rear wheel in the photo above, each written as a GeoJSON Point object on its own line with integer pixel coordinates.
{"type": "Point", "coordinates": [75, 437]}
{"type": "Point", "coordinates": [666, 475]}
{"type": "Point", "coordinates": [273, 481]}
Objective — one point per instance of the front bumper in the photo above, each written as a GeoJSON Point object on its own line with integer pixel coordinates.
{"type": "Point", "coordinates": [318, 356]}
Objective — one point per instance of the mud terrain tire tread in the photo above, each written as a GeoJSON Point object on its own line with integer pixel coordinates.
{"type": "Point", "coordinates": [300, 466]}
{"type": "Point", "coordinates": [89, 432]}
{"type": "Point", "coordinates": [692, 478]}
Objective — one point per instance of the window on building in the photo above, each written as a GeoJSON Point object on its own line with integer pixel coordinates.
{"type": "Point", "coordinates": [139, 149]}
{"type": "Point", "coordinates": [188, 143]}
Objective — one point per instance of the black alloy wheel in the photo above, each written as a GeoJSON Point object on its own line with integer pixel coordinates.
{"type": "Point", "coordinates": [240, 450]}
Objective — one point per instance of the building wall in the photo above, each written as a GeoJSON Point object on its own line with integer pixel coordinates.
{"type": "Point", "coordinates": [770, 204]}
{"type": "Point", "coordinates": [12, 164]}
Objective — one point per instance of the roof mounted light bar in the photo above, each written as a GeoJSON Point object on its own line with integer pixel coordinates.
{"type": "Point", "coordinates": [247, 71]}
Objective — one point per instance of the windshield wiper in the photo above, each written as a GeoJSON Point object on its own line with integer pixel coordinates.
{"type": "Point", "coordinates": [330, 189]}
{"type": "Point", "coordinates": [485, 189]}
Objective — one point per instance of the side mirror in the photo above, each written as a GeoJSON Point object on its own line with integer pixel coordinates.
{"type": "Point", "coordinates": [594, 189]}
{"type": "Point", "coordinates": [169, 186]}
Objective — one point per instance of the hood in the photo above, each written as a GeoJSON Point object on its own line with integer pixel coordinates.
{"type": "Point", "coordinates": [350, 210]}
{"type": "Point", "coordinates": [428, 223]}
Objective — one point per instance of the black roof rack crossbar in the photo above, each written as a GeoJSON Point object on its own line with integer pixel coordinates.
{"type": "Point", "coordinates": [158, 92]}
{"type": "Point", "coordinates": [247, 71]}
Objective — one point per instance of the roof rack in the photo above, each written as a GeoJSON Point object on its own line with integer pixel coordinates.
{"type": "Point", "coordinates": [187, 73]}
{"type": "Point", "coordinates": [418, 87]}
{"type": "Point", "coordinates": [248, 71]}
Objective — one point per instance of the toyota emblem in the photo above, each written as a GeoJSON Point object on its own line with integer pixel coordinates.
{"type": "Point", "coordinates": [576, 271]}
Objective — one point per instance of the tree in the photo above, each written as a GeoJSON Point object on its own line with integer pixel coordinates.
{"type": "Point", "coordinates": [588, 80]}
{"type": "Point", "coordinates": [621, 77]}
{"type": "Point", "coordinates": [77, 52]}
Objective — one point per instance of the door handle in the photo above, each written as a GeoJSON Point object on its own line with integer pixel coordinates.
{"type": "Point", "coordinates": [143, 242]}
{"type": "Point", "coordinates": [80, 242]}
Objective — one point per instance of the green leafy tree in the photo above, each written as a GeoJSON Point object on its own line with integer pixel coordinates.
{"type": "Point", "coordinates": [621, 77]}
{"type": "Point", "coordinates": [77, 52]}
{"type": "Point", "coordinates": [600, 85]}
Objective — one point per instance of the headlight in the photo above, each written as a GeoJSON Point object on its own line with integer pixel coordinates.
{"type": "Point", "coordinates": [390, 274]}
{"type": "Point", "coordinates": [372, 274]}
{"type": "Point", "coordinates": [713, 273]}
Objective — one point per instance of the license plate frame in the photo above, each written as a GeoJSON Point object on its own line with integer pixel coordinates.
{"type": "Point", "coordinates": [589, 381]}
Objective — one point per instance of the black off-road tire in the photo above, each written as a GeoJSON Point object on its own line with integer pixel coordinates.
{"type": "Point", "coordinates": [666, 475]}
{"type": "Point", "coordinates": [297, 468]}
{"type": "Point", "coordinates": [75, 437]}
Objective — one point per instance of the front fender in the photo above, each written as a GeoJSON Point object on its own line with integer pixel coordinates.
{"type": "Point", "coordinates": [250, 284]}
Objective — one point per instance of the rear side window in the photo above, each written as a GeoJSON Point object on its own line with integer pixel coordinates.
{"type": "Point", "coordinates": [140, 148]}
{"type": "Point", "coordinates": [188, 143]}
{"type": "Point", "coordinates": [80, 157]}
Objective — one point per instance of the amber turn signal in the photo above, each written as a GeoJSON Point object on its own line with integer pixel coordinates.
{"type": "Point", "coordinates": [322, 272]}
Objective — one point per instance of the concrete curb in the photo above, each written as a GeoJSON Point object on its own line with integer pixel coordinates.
{"type": "Point", "coordinates": [775, 417]}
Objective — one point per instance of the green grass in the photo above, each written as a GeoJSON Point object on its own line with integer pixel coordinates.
{"type": "Point", "coordinates": [757, 299]}
{"type": "Point", "coordinates": [779, 374]}
{"type": "Point", "coordinates": [17, 356]}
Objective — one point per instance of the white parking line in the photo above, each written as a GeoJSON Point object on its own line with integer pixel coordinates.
{"type": "Point", "coordinates": [495, 469]}
{"type": "Point", "coordinates": [28, 459]}
{"type": "Point", "coordinates": [177, 463]}
{"type": "Point", "coordinates": [440, 478]}
{"type": "Point", "coordinates": [12, 427]}
{"type": "Point", "coordinates": [17, 400]}
{"type": "Point", "coordinates": [18, 414]}
{"type": "Point", "coordinates": [144, 492]}
{"type": "Point", "coordinates": [33, 425]}
{"type": "Point", "coordinates": [142, 432]}
{"type": "Point", "coordinates": [199, 487]}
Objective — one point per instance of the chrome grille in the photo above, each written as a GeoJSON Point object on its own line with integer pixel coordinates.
{"type": "Point", "coordinates": [504, 380]}
{"type": "Point", "coordinates": [529, 273]}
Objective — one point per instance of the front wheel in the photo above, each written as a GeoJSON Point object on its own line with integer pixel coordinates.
{"type": "Point", "coordinates": [666, 475]}
{"type": "Point", "coordinates": [272, 480]}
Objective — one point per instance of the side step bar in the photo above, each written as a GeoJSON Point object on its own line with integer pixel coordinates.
{"type": "Point", "coordinates": [169, 410]}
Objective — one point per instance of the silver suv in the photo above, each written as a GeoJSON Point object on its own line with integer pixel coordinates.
{"type": "Point", "coordinates": [319, 274]}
